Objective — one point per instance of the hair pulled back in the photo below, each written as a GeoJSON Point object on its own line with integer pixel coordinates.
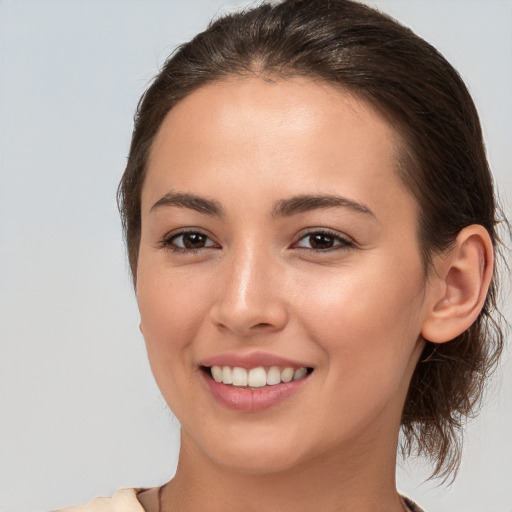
{"type": "Point", "coordinates": [442, 161]}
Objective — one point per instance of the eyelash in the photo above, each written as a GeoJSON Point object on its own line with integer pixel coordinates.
{"type": "Point", "coordinates": [341, 243]}
{"type": "Point", "coordinates": [168, 241]}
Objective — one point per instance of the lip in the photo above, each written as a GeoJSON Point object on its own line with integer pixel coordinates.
{"type": "Point", "coordinates": [251, 360]}
{"type": "Point", "coordinates": [249, 399]}
{"type": "Point", "coordinates": [246, 399]}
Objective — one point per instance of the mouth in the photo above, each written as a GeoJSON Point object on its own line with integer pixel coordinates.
{"type": "Point", "coordinates": [257, 377]}
{"type": "Point", "coordinates": [253, 381]}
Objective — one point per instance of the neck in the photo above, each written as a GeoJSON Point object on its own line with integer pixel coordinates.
{"type": "Point", "coordinates": [356, 479]}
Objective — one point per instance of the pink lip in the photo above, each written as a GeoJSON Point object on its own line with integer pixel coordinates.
{"type": "Point", "coordinates": [251, 400]}
{"type": "Point", "coordinates": [248, 399]}
{"type": "Point", "coordinates": [251, 360]}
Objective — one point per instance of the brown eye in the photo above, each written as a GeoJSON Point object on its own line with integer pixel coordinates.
{"type": "Point", "coordinates": [323, 241]}
{"type": "Point", "coordinates": [190, 240]}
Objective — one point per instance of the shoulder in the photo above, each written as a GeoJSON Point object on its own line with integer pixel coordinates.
{"type": "Point", "coordinates": [124, 500]}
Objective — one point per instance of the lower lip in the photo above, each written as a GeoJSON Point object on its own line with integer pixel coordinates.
{"type": "Point", "coordinates": [251, 399]}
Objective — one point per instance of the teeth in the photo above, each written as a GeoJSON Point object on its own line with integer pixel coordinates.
{"type": "Point", "coordinates": [217, 373]}
{"type": "Point", "coordinates": [227, 375]}
{"type": "Point", "coordinates": [256, 377]}
{"type": "Point", "coordinates": [274, 376]}
{"type": "Point", "coordinates": [239, 376]}
{"type": "Point", "coordinates": [287, 374]}
{"type": "Point", "coordinates": [299, 373]}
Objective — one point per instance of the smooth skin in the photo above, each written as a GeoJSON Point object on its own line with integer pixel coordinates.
{"type": "Point", "coordinates": [340, 288]}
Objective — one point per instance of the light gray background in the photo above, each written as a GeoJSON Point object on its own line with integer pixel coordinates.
{"type": "Point", "coordinates": [80, 415]}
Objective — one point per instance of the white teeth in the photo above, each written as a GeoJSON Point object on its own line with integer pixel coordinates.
{"type": "Point", "coordinates": [287, 374]}
{"type": "Point", "coordinates": [299, 373]}
{"type": "Point", "coordinates": [256, 377]}
{"type": "Point", "coordinates": [274, 376]}
{"type": "Point", "coordinates": [217, 373]}
{"type": "Point", "coordinates": [227, 375]}
{"type": "Point", "coordinates": [239, 376]}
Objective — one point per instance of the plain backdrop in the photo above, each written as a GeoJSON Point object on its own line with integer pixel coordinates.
{"type": "Point", "coordinates": [80, 415]}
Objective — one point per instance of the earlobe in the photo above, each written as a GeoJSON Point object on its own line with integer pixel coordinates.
{"type": "Point", "coordinates": [460, 282]}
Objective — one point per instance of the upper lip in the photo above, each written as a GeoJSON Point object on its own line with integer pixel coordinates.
{"type": "Point", "coordinates": [251, 360]}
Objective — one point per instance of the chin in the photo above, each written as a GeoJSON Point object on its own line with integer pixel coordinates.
{"type": "Point", "coordinates": [257, 463]}
{"type": "Point", "coordinates": [248, 454]}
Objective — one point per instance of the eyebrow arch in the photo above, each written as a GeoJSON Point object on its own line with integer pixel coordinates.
{"type": "Point", "coordinates": [191, 201]}
{"type": "Point", "coordinates": [305, 203]}
{"type": "Point", "coordinates": [282, 208]}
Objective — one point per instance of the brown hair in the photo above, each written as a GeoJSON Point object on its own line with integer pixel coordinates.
{"type": "Point", "coordinates": [442, 162]}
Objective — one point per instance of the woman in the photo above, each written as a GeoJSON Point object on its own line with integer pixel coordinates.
{"type": "Point", "coordinates": [311, 229]}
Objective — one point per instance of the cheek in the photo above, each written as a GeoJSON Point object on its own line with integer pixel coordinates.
{"type": "Point", "coordinates": [368, 334]}
{"type": "Point", "coordinates": [171, 311]}
{"type": "Point", "coordinates": [367, 322]}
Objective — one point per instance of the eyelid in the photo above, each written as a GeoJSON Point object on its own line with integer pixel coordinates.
{"type": "Point", "coordinates": [344, 241]}
{"type": "Point", "coordinates": [166, 241]}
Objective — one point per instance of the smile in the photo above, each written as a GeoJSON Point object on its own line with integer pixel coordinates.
{"type": "Point", "coordinates": [253, 382]}
{"type": "Point", "coordinates": [258, 377]}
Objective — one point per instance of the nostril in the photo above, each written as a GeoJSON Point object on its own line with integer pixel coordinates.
{"type": "Point", "coordinates": [247, 318]}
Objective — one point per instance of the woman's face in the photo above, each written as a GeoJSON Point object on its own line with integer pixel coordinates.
{"type": "Point", "coordinates": [277, 237]}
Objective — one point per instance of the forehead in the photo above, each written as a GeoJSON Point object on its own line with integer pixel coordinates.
{"type": "Point", "coordinates": [295, 133]}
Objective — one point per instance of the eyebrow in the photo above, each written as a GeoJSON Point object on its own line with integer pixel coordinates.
{"type": "Point", "coordinates": [283, 208]}
{"type": "Point", "coordinates": [191, 201]}
{"type": "Point", "coordinates": [306, 203]}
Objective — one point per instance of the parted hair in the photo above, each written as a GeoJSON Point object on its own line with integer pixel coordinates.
{"type": "Point", "coordinates": [441, 160]}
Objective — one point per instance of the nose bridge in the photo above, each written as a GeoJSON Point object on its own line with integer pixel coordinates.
{"type": "Point", "coordinates": [249, 299]}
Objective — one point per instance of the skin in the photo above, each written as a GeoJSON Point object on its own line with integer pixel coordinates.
{"type": "Point", "coordinates": [354, 313]}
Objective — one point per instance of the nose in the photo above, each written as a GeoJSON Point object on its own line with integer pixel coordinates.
{"type": "Point", "coordinates": [250, 299]}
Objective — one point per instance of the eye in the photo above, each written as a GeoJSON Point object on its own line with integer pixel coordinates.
{"type": "Point", "coordinates": [323, 241]}
{"type": "Point", "coordinates": [188, 241]}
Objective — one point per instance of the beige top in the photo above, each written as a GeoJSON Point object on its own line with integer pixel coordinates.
{"type": "Point", "coordinates": [125, 500]}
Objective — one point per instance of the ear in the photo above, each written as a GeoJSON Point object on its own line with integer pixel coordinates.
{"type": "Point", "coordinates": [458, 285]}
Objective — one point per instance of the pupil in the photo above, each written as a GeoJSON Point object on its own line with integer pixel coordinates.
{"type": "Point", "coordinates": [320, 241]}
{"type": "Point", "coordinates": [193, 240]}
